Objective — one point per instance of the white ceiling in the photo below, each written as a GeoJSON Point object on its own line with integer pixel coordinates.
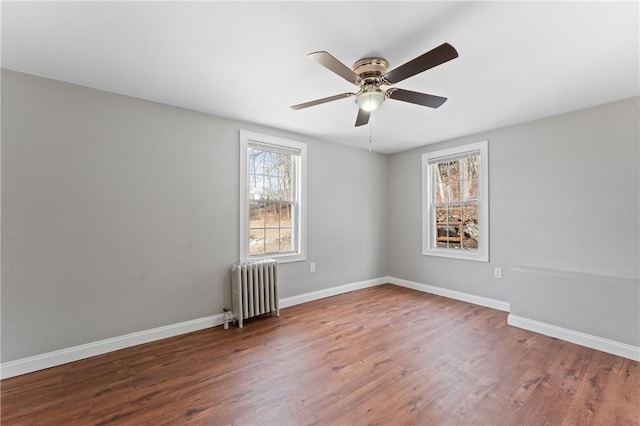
{"type": "Point", "coordinates": [247, 60]}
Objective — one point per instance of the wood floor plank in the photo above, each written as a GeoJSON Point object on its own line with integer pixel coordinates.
{"type": "Point", "coordinates": [383, 355]}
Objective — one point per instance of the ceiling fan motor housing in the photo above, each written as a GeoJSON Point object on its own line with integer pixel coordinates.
{"type": "Point", "coordinates": [371, 69]}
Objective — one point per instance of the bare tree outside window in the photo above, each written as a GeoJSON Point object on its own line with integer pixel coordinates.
{"type": "Point", "coordinates": [271, 201]}
{"type": "Point", "coordinates": [273, 181]}
{"type": "Point", "coordinates": [456, 203]}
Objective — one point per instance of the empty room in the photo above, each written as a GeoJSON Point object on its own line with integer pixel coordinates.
{"type": "Point", "coordinates": [328, 213]}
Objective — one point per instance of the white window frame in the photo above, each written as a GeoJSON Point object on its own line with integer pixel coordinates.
{"type": "Point", "coordinates": [429, 247]}
{"type": "Point", "coordinates": [246, 138]}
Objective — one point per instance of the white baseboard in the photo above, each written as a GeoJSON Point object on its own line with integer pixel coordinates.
{"type": "Point", "coordinates": [594, 342]}
{"type": "Point", "coordinates": [452, 294]}
{"type": "Point", "coordinates": [75, 353]}
{"type": "Point", "coordinates": [333, 291]}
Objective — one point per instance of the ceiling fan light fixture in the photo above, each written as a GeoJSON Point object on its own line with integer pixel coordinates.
{"type": "Point", "coordinates": [370, 100]}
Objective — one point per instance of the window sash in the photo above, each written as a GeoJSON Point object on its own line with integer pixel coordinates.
{"type": "Point", "coordinates": [294, 156]}
{"type": "Point", "coordinates": [294, 161]}
{"type": "Point", "coordinates": [292, 227]}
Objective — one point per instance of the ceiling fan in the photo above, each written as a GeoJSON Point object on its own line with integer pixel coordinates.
{"type": "Point", "coordinates": [371, 73]}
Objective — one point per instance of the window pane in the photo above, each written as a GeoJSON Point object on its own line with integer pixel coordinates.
{"type": "Point", "coordinates": [255, 161]}
{"type": "Point", "coordinates": [454, 191]}
{"type": "Point", "coordinates": [442, 237]}
{"type": "Point", "coordinates": [451, 169]}
{"type": "Point", "coordinates": [286, 192]}
{"type": "Point", "coordinates": [449, 229]}
{"type": "Point", "coordinates": [272, 216]}
{"type": "Point", "coordinates": [256, 187]}
{"type": "Point", "coordinates": [441, 214]}
{"type": "Point", "coordinates": [469, 190]}
{"type": "Point", "coordinates": [470, 213]}
{"type": "Point", "coordinates": [470, 219]}
{"type": "Point", "coordinates": [270, 163]}
{"type": "Point", "coordinates": [448, 236]}
{"type": "Point", "coordinates": [272, 240]}
{"type": "Point", "coordinates": [442, 172]}
{"type": "Point", "coordinates": [271, 187]}
{"type": "Point", "coordinates": [286, 210]}
{"type": "Point", "coordinates": [256, 241]}
{"type": "Point", "coordinates": [256, 215]}
{"type": "Point", "coordinates": [474, 189]}
{"type": "Point", "coordinates": [285, 240]}
{"type": "Point", "coordinates": [442, 193]}
{"type": "Point", "coordinates": [286, 187]}
{"type": "Point", "coordinates": [455, 214]}
{"type": "Point", "coordinates": [454, 170]}
{"type": "Point", "coordinates": [469, 168]}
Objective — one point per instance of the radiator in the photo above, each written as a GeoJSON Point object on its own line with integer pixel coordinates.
{"type": "Point", "coordinates": [254, 289]}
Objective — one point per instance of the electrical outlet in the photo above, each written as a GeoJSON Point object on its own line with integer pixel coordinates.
{"type": "Point", "coordinates": [497, 272]}
{"type": "Point", "coordinates": [312, 267]}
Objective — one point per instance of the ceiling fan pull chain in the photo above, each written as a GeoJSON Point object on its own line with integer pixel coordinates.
{"type": "Point", "coordinates": [369, 136]}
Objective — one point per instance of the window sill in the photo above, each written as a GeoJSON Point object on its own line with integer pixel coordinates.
{"type": "Point", "coordinates": [281, 258]}
{"type": "Point", "coordinates": [455, 254]}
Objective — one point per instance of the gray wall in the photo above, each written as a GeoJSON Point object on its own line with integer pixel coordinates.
{"type": "Point", "coordinates": [598, 305]}
{"type": "Point", "coordinates": [564, 195]}
{"type": "Point", "coordinates": [121, 215]}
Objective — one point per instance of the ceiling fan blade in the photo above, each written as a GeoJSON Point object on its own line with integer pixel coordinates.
{"type": "Point", "coordinates": [332, 64]}
{"type": "Point", "coordinates": [322, 101]}
{"type": "Point", "coordinates": [441, 54]}
{"type": "Point", "coordinates": [424, 99]}
{"type": "Point", "coordinates": [363, 117]}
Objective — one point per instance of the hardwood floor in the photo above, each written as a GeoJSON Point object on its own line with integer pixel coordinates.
{"type": "Point", "coordinates": [384, 355]}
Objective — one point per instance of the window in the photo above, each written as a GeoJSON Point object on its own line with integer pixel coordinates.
{"type": "Point", "coordinates": [455, 214]}
{"type": "Point", "coordinates": [272, 188]}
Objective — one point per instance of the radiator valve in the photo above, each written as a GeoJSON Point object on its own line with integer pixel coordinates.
{"type": "Point", "coordinates": [227, 317]}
